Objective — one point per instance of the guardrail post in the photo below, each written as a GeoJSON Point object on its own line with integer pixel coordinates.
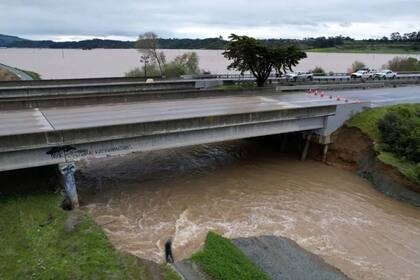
{"type": "Point", "coordinates": [67, 171]}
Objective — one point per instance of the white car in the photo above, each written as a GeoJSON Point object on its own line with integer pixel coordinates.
{"type": "Point", "coordinates": [386, 74]}
{"type": "Point", "coordinates": [363, 74]}
{"type": "Point", "coordinates": [299, 75]}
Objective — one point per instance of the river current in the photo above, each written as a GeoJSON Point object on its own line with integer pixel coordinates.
{"type": "Point", "coordinates": [245, 188]}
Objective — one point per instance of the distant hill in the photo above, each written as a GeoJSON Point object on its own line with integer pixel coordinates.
{"type": "Point", "coordinates": [6, 40]}
{"type": "Point", "coordinates": [16, 42]}
{"type": "Point", "coordinates": [407, 43]}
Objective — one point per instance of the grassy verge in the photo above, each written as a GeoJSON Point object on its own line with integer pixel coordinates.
{"type": "Point", "coordinates": [222, 260]}
{"type": "Point", "coordinates": [33, 75]}
{"type": "Point", "coordinates": [169, 274]}
{"type": "Point", "coordinates": [36, 244]}
{"type": "Point", "coordinates": [367, 122]}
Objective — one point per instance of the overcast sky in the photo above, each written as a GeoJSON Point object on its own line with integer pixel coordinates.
{"type": "Point", "coordinates": [125, 19]}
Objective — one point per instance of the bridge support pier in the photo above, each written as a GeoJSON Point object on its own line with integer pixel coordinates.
{"type": "Point", "coordinates": [306, 147]}
{"type": "Point", "coordinates": [283, 143]}
{"type": "Point", "coordinates": [69, 182]}
{"type": "Point", "coordinates": [324, 152]}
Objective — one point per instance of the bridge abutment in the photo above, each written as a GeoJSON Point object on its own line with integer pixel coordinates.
{"type": "Point", "coordinates": [68, 180]}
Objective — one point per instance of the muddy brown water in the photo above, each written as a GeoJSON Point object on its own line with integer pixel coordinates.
{"type": "Point", "coordinates": [242, 189]}
{"type": "Point", "coordinates": [76, 63]}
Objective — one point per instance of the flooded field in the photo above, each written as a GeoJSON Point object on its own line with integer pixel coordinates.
{"type": "Point", "coordinates": [242, 189]}
{"type": "Point", "coordinates": [72, 63]}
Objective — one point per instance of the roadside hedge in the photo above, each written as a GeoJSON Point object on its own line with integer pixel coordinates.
{"type": "Point", "coordinates": [400, 132]}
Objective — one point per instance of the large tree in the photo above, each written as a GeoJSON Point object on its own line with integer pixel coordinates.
{"type": "Point", "coordinates": [248, 54]}
{"type": "Point", "coordinates": [148, 43]}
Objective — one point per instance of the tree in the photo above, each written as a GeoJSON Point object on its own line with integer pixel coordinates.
{"type": "Point", "coordinates": [400, 132]}
{"type": "Point", "coordinates": [189, 62]}
{"type": "Point", "coordinates": [285, 59]}
{"type": "Point", "coordinates": [355, 66]}
{"type": "Point", "coordinates": [186, 63]}
{"type": "Point", "coordinates": [403, 64]}
{"type": "Point", "coordinates": [148, 43]}
{"type": "Point", "coordinates": [396, 36]}
{"type": "Point", "coordinates": [318, 70]}
{"type": "Point", "coordinates": [248, 54]}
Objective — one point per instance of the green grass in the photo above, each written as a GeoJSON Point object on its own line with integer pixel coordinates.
{"type": "Point", "coordinates": [35, 245]}
{"type": "Point", "coordinates": [33, 75]}
{"type": "Point", "coordinates": [169, 274]}
{"type": "Point", "coordinates": [222, 260]}
{"type": "Point", "coordinates": [367, 122]}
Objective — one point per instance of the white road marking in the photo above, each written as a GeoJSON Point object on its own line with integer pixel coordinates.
{"type": "Point", "coordinates": [41, 121]}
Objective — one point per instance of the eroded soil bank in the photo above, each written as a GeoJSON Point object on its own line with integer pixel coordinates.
{"type": "Point", "coordinates": [353, 150]}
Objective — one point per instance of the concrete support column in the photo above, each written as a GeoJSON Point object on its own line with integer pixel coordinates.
{"type": "Point", "coordinates": [324, 152]}
{"type": "Point", "coordinates": [283, 143]}
{"type": "Point", "coordinates": [306, 147]}
{"type": "Point", "coordinates": [67, 171]}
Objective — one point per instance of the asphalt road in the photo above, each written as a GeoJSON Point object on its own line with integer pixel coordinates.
{"type": "Point", "coordinates": [22, 75]}
{"type": "Point", "coordinates": [66, 118]}
{"type": "Point", "coordinates": [381, 96]}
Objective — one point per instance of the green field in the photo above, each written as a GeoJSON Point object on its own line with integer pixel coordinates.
{"type": "Point", "coordinates": [37, 241]}
{"type": "Point", "coordinates": [367, 122]}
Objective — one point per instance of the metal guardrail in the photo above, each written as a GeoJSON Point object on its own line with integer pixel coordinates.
{"type": "Point", "coordinates": [78, 81]}
{"type": "Point", "coordinates": [110, 80]}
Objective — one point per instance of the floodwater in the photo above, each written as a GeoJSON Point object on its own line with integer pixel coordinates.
{"type": "Point", "coordinates": [246, 188]}
{"type": "Point", "coordinates": [76, 63]}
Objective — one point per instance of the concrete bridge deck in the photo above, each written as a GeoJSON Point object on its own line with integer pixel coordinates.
{"type": "Point", "coordinates": [57, 119]}
{"type": "Point", "coordinates": [35, 137]}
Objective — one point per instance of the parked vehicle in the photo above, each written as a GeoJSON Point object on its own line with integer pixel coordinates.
{"type": "Point", "coordinates": [365, 73]}
{"type": "Point", "coordinates": [299, 75]}
{"type": "Point", "coordinates": [386, 74]}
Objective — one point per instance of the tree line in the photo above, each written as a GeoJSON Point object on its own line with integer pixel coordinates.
{"type": "Point", "coordinates": [217, 43]}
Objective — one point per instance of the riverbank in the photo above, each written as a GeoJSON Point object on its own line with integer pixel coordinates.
{"type": "Point", "coordinates": [262, 257]}
{"type": "Point", "coordinates": [357, 146]}
{"type": "Point", "coordinates": [39, 240]}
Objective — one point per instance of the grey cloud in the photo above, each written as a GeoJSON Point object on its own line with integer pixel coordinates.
{"type": "Point", "coordinates": [131, 17]}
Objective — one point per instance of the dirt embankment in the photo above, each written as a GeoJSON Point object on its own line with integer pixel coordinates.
{"type": "Point", "coordinates": [353, 150]}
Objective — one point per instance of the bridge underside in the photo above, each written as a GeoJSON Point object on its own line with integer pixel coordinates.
{"type": "Point", "coordinates": [37, 137]}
